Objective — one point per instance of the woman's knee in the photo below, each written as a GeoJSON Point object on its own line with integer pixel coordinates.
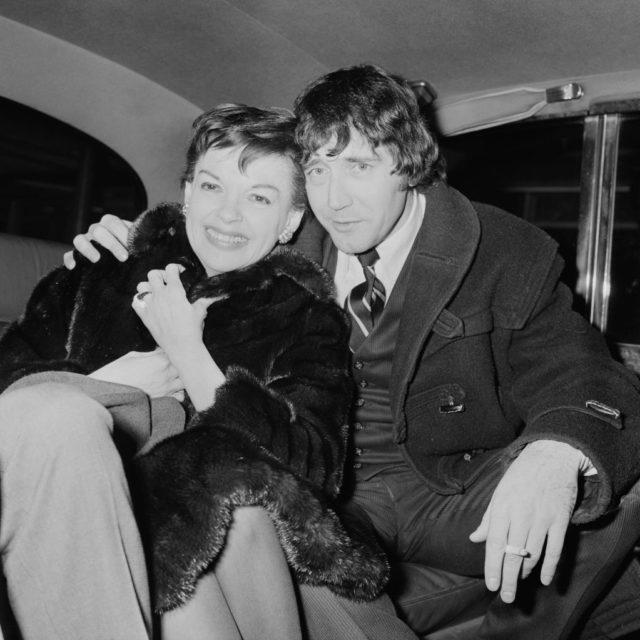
{"type": "Point", "coordinates": [54, 413]}
{"type": "Point", "coordinates": [251, 525]}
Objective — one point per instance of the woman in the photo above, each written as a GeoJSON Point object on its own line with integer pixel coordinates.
{"type": "Point", "coordinates": [250, 332]}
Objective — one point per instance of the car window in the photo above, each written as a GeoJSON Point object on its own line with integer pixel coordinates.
{"type": "Point", "coordinates": [55, 180]}
{"type": "Point", "coordinates": [623, 318]}
{"type": "Point", "coordinates": [531, 169]}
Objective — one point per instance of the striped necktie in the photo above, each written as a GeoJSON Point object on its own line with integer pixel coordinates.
{"type": "Point", "coordinates": [366, 300]}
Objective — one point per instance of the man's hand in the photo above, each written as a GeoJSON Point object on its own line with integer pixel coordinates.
{"type": "Point", "coordinates": [150, 371]}
{"type": "Point", "coordinates": [533, 503]}
{"type": "Point", "coordinates": [111, 232]}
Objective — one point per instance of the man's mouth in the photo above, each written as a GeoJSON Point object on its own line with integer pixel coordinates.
{"type": "Point", "coordinates": [345, 225]}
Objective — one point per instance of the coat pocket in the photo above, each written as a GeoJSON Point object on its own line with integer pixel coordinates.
{"type": "Point", "coordinates": [450, 418]}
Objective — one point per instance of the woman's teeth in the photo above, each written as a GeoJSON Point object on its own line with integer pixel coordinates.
{"type": "Point", "coordinates": [224, 237]}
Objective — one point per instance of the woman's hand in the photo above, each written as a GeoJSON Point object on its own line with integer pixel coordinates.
{"type": "Point", "coordinates": [111, 232]}
{"type": "Point", "coordinates": [150, 371]}
{"type": "Point", "coordinates": [176, 325]}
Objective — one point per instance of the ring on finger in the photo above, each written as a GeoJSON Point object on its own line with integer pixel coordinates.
{"type": "Point", "coordinates": [516, 551]}
{"type": "Point", "coordinates": [139, 299]}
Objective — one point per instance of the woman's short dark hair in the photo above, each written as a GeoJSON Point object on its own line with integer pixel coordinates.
{"type": "Point", "coordinates": [259, 132]}
{"type": "Point", "coordinates": [381, 107]}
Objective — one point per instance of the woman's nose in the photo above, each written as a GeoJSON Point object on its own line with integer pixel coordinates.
{"type": "Point", "coordinates": [230, 211]}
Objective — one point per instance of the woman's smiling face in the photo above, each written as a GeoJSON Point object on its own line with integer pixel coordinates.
{"type": "Point", "coordinates": [234, 215]}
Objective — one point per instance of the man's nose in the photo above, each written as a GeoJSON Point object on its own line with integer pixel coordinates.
{"type": "Point", "coordinates": [339, 196]}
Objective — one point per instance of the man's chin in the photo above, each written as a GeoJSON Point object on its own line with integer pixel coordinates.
{"type": "Point", "coordinates": [348, 244]}
{"type": "Point", "coordinates": [352, 248]}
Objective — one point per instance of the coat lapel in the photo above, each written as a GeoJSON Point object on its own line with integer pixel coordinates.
{"type": "Point", "coordinates": [329, 255]}
{"type": "Point", "coordinates": [440, 258]}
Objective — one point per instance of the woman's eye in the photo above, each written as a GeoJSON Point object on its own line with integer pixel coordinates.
{"type": "Point", "coordinates": [260, 199]}
{"type": "Point", "coordinates": [209, 186]}
{"type": "Point", "coordinates": [361, 167]}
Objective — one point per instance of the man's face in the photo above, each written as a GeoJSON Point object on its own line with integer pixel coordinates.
{"type": "Point", "coordinates": [355, 195]}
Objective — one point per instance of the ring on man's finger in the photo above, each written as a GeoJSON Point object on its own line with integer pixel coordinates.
{"type": "Point", "coordinates": [142, 295]}
{"type": "Point", "coordinates": [516, 551]}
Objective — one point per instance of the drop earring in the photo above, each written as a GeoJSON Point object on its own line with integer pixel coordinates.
{"type": "Point", "coordinates": [285, 236]}
{"type": "Point", "coordinates": [185, 208]}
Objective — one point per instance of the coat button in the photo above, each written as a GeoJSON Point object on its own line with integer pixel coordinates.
{"type": "Point", "coordinates": [357, 465]}
{"type": "Point", "coordinates": [467, 457]}
{"type": "Point", "coordinates": [358, 451]}
{"type": "Point", "coordinates": [358, 364]}
{"type": "Point", "coordinates": [358, 426]}
{"type": "Point", "coordinates": [363, 384]}
{"type": "Point", "coordinates": [359, 402]}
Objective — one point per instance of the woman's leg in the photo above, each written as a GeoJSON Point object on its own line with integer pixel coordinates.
{"type": "Point", "coordinates": [255, 578]}
{"type": "Point", "coordinates": [206, 616]}
{"type": "Point", "coordinates": [71, 551]}
{"type": "Point", "coordinates": [251, 585]}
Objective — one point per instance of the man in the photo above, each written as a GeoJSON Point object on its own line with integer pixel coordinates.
{"type": "Point", "coordinates": [493, 434]}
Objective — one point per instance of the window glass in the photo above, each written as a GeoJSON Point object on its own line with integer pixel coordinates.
{"type": "Point", "coordinates": [623, 320]}
{"type": "Point", "coordinates": [530, 169]}
{"type": "Point", "coordinates": [56, 180]}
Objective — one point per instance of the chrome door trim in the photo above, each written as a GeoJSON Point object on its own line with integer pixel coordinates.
{"type": "Point", "coordinates": [597, 213]}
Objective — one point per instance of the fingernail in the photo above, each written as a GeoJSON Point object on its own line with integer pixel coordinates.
{"type": "Point", "coordinates": [546, 580]}
{"type": "Point", "coordinates": [492, 583]}
{"type": "Point", "coordinates": [507, 596]}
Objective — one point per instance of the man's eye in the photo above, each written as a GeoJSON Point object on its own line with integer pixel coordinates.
{"type": "Point", "coordinates": [209, 186]}
{"type": "Point", "coordinates": [361, 167]}
{"type": "Point", "coordinates": [315, 171]}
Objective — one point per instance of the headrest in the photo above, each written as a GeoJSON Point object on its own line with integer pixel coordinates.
{"type": "Point", "coordinates": [23, 261]}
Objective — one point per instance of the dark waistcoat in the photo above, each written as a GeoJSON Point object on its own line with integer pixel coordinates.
{"type": "Point", "coordinates": [375, 448]}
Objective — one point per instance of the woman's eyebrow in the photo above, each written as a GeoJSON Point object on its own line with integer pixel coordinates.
{"type": "Point", "coordinates": [265, 186]}
{"type": "Point", "coordinates": [209, 173]}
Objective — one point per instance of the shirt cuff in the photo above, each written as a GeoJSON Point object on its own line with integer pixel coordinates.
{"type": "Point", "coordinates": [586, 466]}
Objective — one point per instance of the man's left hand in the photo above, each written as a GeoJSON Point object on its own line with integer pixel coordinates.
{"type": "Point", "coordinates": [532, 504]}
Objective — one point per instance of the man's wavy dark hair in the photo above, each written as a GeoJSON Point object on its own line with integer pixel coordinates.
{"type": "Point", "coordinates": [378, 105]}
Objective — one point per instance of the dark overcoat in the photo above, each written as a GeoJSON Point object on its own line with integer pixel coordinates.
{"type": "Point", "coordinates": [490, 355]}
{"type": "Point", "coordinates": [276, 434]}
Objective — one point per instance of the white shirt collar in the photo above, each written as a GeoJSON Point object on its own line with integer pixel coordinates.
{"type": "Point", "coordinates": [393, 251]}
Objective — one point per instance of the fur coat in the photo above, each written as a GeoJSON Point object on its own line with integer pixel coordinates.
{"type": "Point", "coordinates": [276, 434]}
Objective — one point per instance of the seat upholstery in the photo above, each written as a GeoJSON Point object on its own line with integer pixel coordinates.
{"type": "Point", "coordinates": [432, 599]}
{"type": "Point", "coordinates": [23, 261]}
